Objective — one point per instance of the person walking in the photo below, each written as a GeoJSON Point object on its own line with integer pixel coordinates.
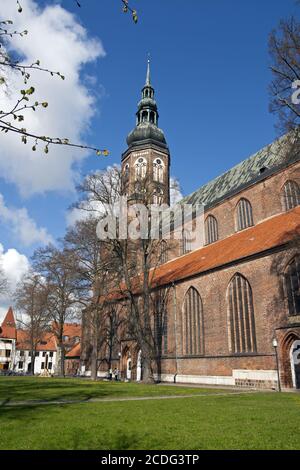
{"type": "Point", "coordinates": [116, 374]}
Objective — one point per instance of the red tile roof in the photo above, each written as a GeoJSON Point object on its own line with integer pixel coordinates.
{"type": "Point", "coordinates": [8, 330]}
{"type": "Point", "coordinates": [47, 343]}
{"type": "Point", "coordinates": [264, 236]}
{"type": "Point", "coordinates": [8, 327]}
{"type": "Point", "coordinates": [268, 234]}
{"type": "Point", "coordinates": [75, 351]}
{"type": "Point", "coordinates": [72, 330]}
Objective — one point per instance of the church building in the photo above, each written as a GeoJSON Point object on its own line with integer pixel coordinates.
{"type": "Point", "coordinates": [234, 318]}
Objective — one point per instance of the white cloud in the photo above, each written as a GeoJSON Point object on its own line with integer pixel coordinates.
{"type": "Point", "coordinates": [175, 191]}
{"type": "Point", "coordinates": [91, 208]}
{"type": "Point", "coordinates": [61, 44]}
{"type": "Point", "coordinates": [22, 226]}
{"type": "Point", "coordinates": [14, 265]}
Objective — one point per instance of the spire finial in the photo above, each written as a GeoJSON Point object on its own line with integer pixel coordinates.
{"type": "Point", "coordinates": [148, 71]}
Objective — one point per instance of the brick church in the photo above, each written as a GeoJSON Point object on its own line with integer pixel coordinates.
{"type": "Point", "coordinates": [234, 314]}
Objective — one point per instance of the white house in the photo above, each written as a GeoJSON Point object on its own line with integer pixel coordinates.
{"type": "Point", "coordinates": [15, 347]}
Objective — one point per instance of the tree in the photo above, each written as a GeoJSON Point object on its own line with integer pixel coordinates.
{"type": "Point", "coordinates": [96, 274]}
{"type": "Point", "coordinates": [126, 8]}
{"type": "Point", "coordinates": [12, 120]}
{"type": "Point", "coordinates": [134, 260]}
{"type": "Point", "coordinates": [58, 269]}
{"type": "Point", "coordinates": [115, 320]}
{"type": "Point", "coordinates": [31, 298]}
{"type": "Point", "coordinates": [284, 48]}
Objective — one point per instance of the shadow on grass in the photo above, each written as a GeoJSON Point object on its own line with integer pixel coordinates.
{"type": "Point", "coordinates": [31, 388]}
{"type": "Point", "coordinates": [51, 389]}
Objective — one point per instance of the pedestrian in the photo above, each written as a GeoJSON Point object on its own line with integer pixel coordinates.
{"type": "Point", "coordinates": [116, 374]}
{"type": "Point", "coordinates": [110, 373]}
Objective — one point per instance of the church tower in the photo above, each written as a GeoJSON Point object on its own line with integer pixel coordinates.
{"type": "Point", "coordinates": [146, 161]}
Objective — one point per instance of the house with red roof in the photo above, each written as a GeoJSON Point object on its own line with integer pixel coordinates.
{"type": "Point", "coordinates": [15, 347]}
{"type": "Point", "coordinates": [8, 338]}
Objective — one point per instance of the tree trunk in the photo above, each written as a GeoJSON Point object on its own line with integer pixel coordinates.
{"type": "Point", "coordinates": [94, 361]}
{"type": "Point", "coordinates": [147, 375]}
{"type": "Point", "coordinates": [32, 362]}
{"type": "Point", "coordinates": [60, 362]}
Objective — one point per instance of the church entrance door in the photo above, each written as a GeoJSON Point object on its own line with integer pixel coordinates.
{"type": "Point", "coordinates": [128, 371]}
{"type": "Point", "coordinates": [295, 363]}
{"type": "Point", "coordinates": [139, 367]}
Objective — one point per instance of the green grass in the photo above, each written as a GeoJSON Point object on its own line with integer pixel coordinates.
{"type": "Point", "coordinates": [37, 388]}
{"type": "Point", "coordinates": [239, 421]}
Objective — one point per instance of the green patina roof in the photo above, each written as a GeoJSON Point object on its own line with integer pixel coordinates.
{"type": "Point", "coordinates": [270, 158]}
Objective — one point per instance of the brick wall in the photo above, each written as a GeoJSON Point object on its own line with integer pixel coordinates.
{"type": "Point", "coordinates": [270, 308]}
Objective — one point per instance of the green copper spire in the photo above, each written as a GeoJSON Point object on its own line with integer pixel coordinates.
{"type": "Point", "coordinates": [147, 118]}
{"type": "Point", "coordinates": [148, 83]}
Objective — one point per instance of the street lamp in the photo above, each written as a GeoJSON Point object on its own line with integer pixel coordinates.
{"type": "Point", "coordinates": [275, 346]}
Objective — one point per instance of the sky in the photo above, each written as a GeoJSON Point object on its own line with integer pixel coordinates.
{"type": "Point", "coordinates": [210, 71]}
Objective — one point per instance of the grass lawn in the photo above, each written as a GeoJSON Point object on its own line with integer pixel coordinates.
{"type": "Point", "coordinates": [37, 388]}
{"type": "Point", "coordinates": [239, 421]}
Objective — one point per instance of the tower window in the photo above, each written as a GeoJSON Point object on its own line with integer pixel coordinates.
{"type": "Point", "coordinates": [158, 196]}
{"type": "Point", "coordinates": [158, 170]}
{"type": "Point", "coordinates": [292, 285]}
{"type": "Point", "coordinates": [140, 168]}
{"type": "Point", "coordinates": [126, 171]}
{"type": "Point", "coordinates": [241, 322]}
{"type": "Point", "coordinates": [211, 229]}
{"type": "Point", "coordinates": [244, 214]}
{"type": "Point", "coordinates": [290, 195]}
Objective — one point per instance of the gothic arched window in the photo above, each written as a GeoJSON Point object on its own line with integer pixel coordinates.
{"type": "Point", "coordinates": [241, 321]}
{"type": "Point", "coordinates": [186, 242]}
{"type": "Point", "coordinates": [290, 195]}
{"type": "Point", "coordinates": [192, 324]}
{"type": "Point", "coordinates": [163, 252]}
{"type": "Point", "coordinates": [158, 170]}
{"type": "Point", "coordinates": [292, 285]}
{"type": "Point", "coordinates": [140, 168]}
{"type": "Point", "coordinates": [126, 172]}
{"type": "Point", "coordinates": [158, 195]}
{"type": "Point", "coordinates": [211, 230]}
{"type": "Point", "coordinates": [244, 216]}
{"type": "Point", "coordinates": [161, 322]}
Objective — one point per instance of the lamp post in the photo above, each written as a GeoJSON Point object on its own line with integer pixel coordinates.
{"type": "Point", "coordinates": [275, 346]}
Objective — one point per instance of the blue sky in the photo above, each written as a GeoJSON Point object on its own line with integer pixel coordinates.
{"type": "Point", "coordinates": [209, 65]}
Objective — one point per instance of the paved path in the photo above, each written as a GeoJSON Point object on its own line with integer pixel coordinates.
{"type": "Point", "coordinates": [8, 403]}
